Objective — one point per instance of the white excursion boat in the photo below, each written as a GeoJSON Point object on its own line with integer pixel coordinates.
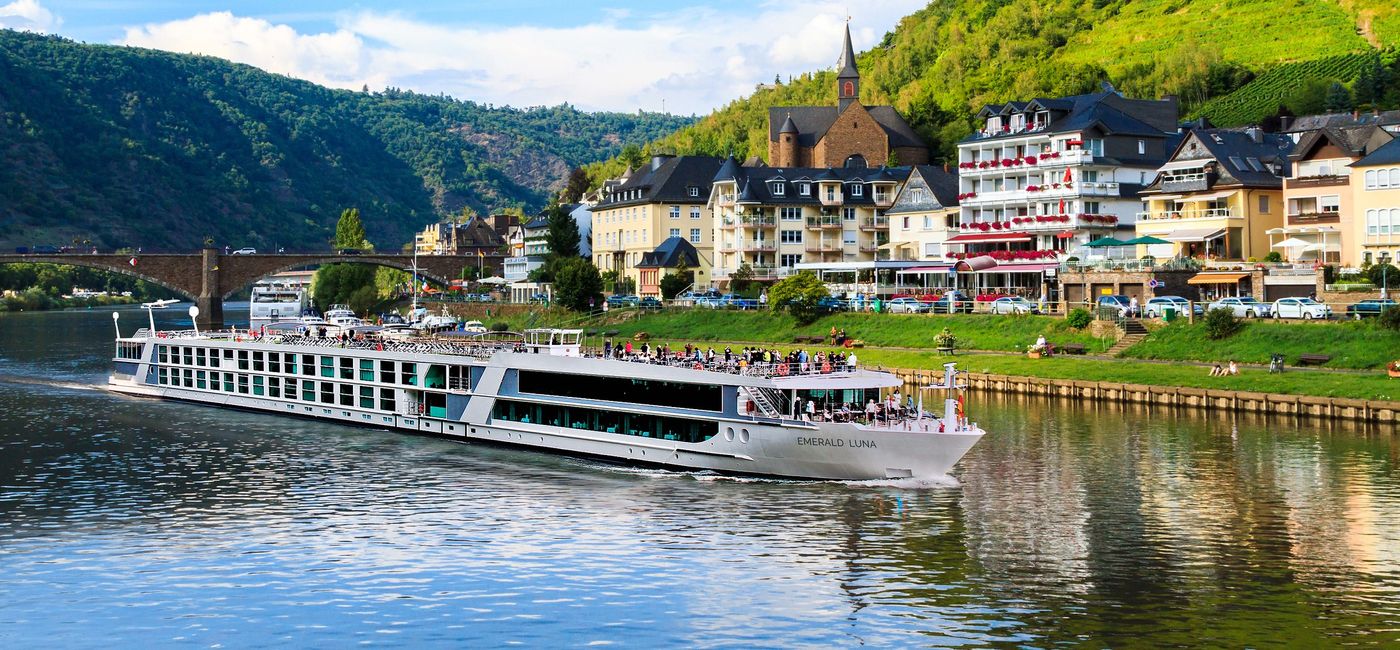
{"type": "Point", "coordinates": [474, 327]}
{"type": "Point", "coordinates": [540, 389]}
{"type": "Point", "coordinates": [279, 298]}
{"type": "Point", "coordinates": [342, 316]}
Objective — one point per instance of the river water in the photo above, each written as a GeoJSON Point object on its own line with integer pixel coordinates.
{"type": "Point", "coordinates": [127, 522]}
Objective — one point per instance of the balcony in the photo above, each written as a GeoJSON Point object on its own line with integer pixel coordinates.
{"type": "Point", "coordinates": [728, 223]}
{"type": "Point", "coordinates": [884, 199]}
{"type": "Point", "coordinates": [724, 199]}
{"type": "Point", "coordinates": [869, 224]}
{"type": "Point", "coordinates": [1313, 218]}
{"type": "Point", "coordinates": [757, 246]}
{"type": "Point", "coordinates": [826, 222]}
{"type": "Point", "coordinates": [1188, 214]}
{"type": "Point", "coordinates": [824, 247]}
{"type": "Point", "coordinates": [871, 246]}
{"type": "Point", "coordinates": [758, 221]}
{"type": "Point", "coordinates": [1318, 181]}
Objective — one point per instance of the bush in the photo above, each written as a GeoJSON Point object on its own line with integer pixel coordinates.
{"type": "Point", "coordinates": [1384, 275]}
{"type": "Point", "coordinates": [798, 294]}
{"type": "Point", "coordinates": [500, 327]}
{"type": "Point", "coordinates": [1390, 319]}
{"type": "Point", "coordinates": [1079, 318]}
{"type": "Point", "coordinates": [1222, 324]}
{"type": "Point", "coordinates": [1273, 256]}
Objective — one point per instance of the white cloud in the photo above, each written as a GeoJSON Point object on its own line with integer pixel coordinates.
{"type": "Point", "coordinates": [28, 16]}
{"type": "Point", "coordinates": [695, 58]}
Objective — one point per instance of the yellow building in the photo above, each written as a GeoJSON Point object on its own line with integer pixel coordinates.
{"type": "Point", "coordinates": [1375, 185]}
{"type": "Point", "coordinates": [1217, 197]}
{"type": "Point", "coordinates": [1321, 222]}
{"type": "Point", "coordinates": [925, 214]}
{"type": "Point", "coordinates": [665, 199]}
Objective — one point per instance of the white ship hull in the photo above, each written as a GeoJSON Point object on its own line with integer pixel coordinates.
{"type": "Point", "coordinates": [734, 444]}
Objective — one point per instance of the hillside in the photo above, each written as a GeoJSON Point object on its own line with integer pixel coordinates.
{"type": "Point", "coordinates": [132, 147]}
{"type": "Point", "coordinates": [945, 61]}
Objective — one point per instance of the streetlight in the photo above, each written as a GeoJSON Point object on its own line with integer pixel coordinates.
{"type": "Point", "coordinates": [115, 318]}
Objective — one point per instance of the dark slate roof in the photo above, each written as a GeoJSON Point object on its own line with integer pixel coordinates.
{"type": "Point", "coordinates": [729, 170]}
{"type": "Point", "coordinates": [848, 58]}
{"type": "Point", "coordinates": [788, 125]}
{"type": "Point", "coordinates": [812, 123]}
{"type": "Point", "coordinates": [1314, 122]}
{"type": "Point", "coordinates": [538, 222]}
{"type": "Point", "coordinates": [668, 182]}
{"type": "Point", "coordinates": [941, 183]}
{"type": "Point", "coordinates": [670, 254]}
{"type": "Point", "coordinates": [1355, 141]}
{"type": "Point", "coordinates": [1110, 111]}
{"type": "Point", "coordinates": [1388, 154]}
{"type": "Point", "coordinates": [478, 233]}
{"type": "Point", "coordinates": [1238, 153]}
{"type": "Point", "coordinates": [755, 183]}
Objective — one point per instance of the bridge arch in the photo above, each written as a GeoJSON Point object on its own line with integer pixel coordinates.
{"type": "Point", "coordinates": [240, 272]}
{"type": "Point", "coordinates": [120, 266]}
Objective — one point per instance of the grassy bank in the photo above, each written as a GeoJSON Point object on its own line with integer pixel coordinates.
{"type": "Point", "coordinates": [1326, 384]}
{"type": "Point", "coordinates": [974, 331]}
{"type": "Point", "coordinates": [1352, 344]}
{"type": "Point", "coordinates": [35, 300]}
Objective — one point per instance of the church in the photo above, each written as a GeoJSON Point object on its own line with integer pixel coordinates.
{"type": "Point", "coordinates": [846, 135]}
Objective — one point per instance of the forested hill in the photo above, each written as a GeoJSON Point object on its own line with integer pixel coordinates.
{"type": "Point", "coordinates": [125, 146]}
{"type": "Point", "coordinates": [1234, 62]}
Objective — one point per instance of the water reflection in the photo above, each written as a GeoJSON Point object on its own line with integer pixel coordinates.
{"type": "Point", "coordinates": [127, 521]}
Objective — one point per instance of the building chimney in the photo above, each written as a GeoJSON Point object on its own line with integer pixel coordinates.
{"type": "Point", "coordinates": [1285, 121]}
{"type": "Point", "coordinates": [1255, 134]}
{"type": "Point", "coordinates": [658, 160]}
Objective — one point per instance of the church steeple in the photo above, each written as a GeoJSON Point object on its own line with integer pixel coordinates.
{"type": "Point", "coordinates": [847, 77]}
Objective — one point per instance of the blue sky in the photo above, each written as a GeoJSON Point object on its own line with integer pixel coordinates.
{"type": "Point", "coordinates": [617, 55]}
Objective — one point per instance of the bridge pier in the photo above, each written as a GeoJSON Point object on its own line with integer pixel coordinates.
{"type": "Point", "coordinates": [211, 298]}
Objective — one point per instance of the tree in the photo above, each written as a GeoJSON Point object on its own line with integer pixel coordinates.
{"type": "Point", "coordinates": [1372, 82]}
{"type": "Point", "coordinates": [741, 278]}
{"type": "Point", "coordinates": [349, 232]}
{"type": "Point", "coordinates": [1310, 98]}
{"type": "Point", "coordinates": [577, 284]}
{"type": "Point", "coordinates": [350, 284]}
{"type": "Point", "coordinates": [1384, 275]}
{"type": "Point", "coordinates": [1338, 98]}
{"type": "Point", "coordinates": [676, 281]}
{"type": "Point", "coordinates": [798, 294]}
{"type": "Point", "coordinates": [576, 186]}
{"type": "Point", "coordinates": [632, 156]}
{"type": "Point", "coordinates": [562, 236]}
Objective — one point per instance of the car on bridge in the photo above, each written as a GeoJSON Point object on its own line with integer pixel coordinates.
{"type": "Point", "coordinates": [46, 250]}
{"type": "Point", "coordinates": [350, 251]}
{"type": "Point", "coordinates": [246, 251]}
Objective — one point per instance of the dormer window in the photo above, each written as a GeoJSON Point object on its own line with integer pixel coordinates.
{"type": "Point", "coordinates": [1042, 119]}
{"type": "Point", "coordinates": [994, 123]}
{"type": "Point", "coordinates": [779, 188]}
{"type": "Point", "coordinates": [1018, 121]}
{"type": "Point", "coordinates": [857, 189]}
{"type": "Point", "coordinates": [694, 191]}
{"type": "Point", "coordinates": [805, 189]}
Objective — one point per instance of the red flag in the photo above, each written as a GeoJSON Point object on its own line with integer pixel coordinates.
{"type": "Point", "coordinates": [1068, 177]}
{"type": "Point", "coordinates": [1062, 206]}
{"type": "Point", "coordinates": [132, 261]}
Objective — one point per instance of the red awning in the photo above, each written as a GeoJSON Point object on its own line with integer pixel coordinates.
{"type": "Point", "coordinates": [974, 238]}
{"type": "Point", "coordinates": [1064, 235]}
{"type": "Point", "coordinates": [927, 269]}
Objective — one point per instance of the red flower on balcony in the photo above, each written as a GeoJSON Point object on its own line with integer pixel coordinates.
{"type": "Point", "coordinates": [1033, 188]}
{"type": "Point", "coordinates": [984, 164]}
{"type": "Point", "coordinates": [1006, 162]}
{"type": "Point", "coordinates": [1030, 160]}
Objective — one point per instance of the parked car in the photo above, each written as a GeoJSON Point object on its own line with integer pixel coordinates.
{"type": "Point", "coordinates": [1157, 307]}
{"type": "Point", "coordinates": [1305, 308]}
{"type": "Point", "coordinates": [830, 305]}
{"type": "Point", "coordinates": [650, 302]}
{"type": "Point", "coordinates": [1120, 304]}
{"type": "Point", "coordinates": [706, 301]}
{"type": "Point", "coordinates": [1243, 307]}
{"type": "Point", "coordinates": [737, 302]}
{"type": "Point", "coordinates": [246, 251]}
{"type": "Point", "coordinates": [1369, 308]}
{"type": "Point", "coordinates": [540, 298]}
{"type": "Point", "coordinates": [951, 302]}
{"type": "Point", "coordinates": [623, 301]}
{"type": "Point", "coordinates": [1013, 305]}
{"type": "Point", "coordinates": [906, 306]}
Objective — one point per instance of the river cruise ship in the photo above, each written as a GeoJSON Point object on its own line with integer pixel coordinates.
{"type": "Point", "coordinates": [541, 389]}
{"type": "Point", "coordinates": [281, 297]}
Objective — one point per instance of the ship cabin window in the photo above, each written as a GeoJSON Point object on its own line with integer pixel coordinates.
{"type": "Point", "coordinates": [833, 400]}
{"type": "Point", "coordinates": [308, 364]}
{"type": "Point", "coordinates": [308, 390]}
{"type": "Point", "coordinates": [258, 361]}
{"type": "Point", "coordinates": [228, 382]}
{"type": "Point", "coordinates": [327, 392]}
{"type": "Point", "coordinates": [386, 399]}
{"type": "Point", "coordinates": [458, 378]}
{"type": "Point", "coordinates": [347, 370]}
{"type": "Point", "coordinates": [189, 356]}
{"type": "Point", "coordinates": [703, 397]}
{"type": "Point", "coordinates": [189, 377]}
{"type": "Point", "coordinates": [436, 377]}
{"type": "Point", "coordinates": [129, 350]}
{"type": "Point", "coordinates": [274, 387]}
{"type": "Point", "coordinates": [366, 397]}
{"type": "Point", "coordinates": [243, 384]}
{"type": "Point", "coordinates": [347, 395]}
{"type": "Point", "coordinates": [435, 405]}
{"type": "Point", "coordinates": [214, 380]}
{"type": "Point", "coordinates": [366, 370]}
{"type": "Point", "coordinates": [386, 372]}
{"type": "Point", "coordinates": [163, 376]}
{"type": "Point", "coordinates": [228, 356]}
{"type": "Point", "coordinates": [606, 421]}
{"type": "Point", "coordinates": [163, 353]}
{"type": "Point", "coordinates": [289, 363]}
{"type": "Point", "coordinates": [327, 366]}
{"type": "Point", "coordinates": [409, 374]}
{"type": "Point", "coordinates": [242, 359]}
{"type": "Point", "coordinates": [274, 361]}
{"type": "Point", "coordinates": [199, 357]}
{"type": "Point", "coordinates": [200, 379]}
{"type": "Point", "coordinates": [213, 358]}
{"type": "Point", "coordinates": [258, 385]}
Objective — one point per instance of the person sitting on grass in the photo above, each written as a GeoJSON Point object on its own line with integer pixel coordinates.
{"type": "Point", "coordinates": [1232, 369]}
{"type": "Point", "coordinates": [1217, 371]}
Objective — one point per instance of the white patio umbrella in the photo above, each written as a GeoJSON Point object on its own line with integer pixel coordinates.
{"type": "Point", "coordinates": [1293, 242]}
{"type": "Point", "coordinates": [495, 279]}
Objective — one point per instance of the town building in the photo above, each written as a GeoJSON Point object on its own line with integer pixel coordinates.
{"type": "Point", "coordinates": [668, 198]}
{"type": "Point", "coordinates": [475, 237]}
{"type": "Point", "coordinates": [1217, 197]}
{"type": "Point", "coordinates": [1321, 223]}
{"type": "Point", "coordinates": [673, 254]}
{"type": "Point", "coordinates": [528, 249]}
{"type": "Point", "coordinates": [924, 214]}
{"type": "Point", "coordinates": [847, 134]}
{"type": "Point", "coordinates": [1375, 184]}
{"type": "Point", "coordinates": [777, 219]}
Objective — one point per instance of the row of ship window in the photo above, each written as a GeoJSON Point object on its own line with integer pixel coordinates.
{"type": "Point", "coordinates": [606, 421]}
{"type": "Point", "coordinates": [322, 392]}
{"type": "Point", "coordinates": [290, 363]}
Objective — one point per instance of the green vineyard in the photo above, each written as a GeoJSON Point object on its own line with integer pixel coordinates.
{"type": "Point", "coordinates": [1261, 97]}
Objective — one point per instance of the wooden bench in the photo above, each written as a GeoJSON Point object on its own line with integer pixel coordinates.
{"type": "Point", "coordinates": [946, 351]}
{"type": "Point", "coordinates": [1071, 348]}
{"type": "Point", "coordinates": [1313, 359]}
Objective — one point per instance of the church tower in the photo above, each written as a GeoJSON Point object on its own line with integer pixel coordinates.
{"type": "Point", "coordinates": [847, 77]}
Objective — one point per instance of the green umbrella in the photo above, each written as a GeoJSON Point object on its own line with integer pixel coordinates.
{"type": "Point", "coordinates": [1146, 240]}
{"type": "Point", "coordinates": [1105, 242]}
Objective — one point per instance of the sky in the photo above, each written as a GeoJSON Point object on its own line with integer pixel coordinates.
{"type": "Point", "coordinates": [624, 55]}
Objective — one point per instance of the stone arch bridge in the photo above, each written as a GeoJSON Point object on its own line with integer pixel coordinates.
{"type": "Point", "coordinates": [208, 277]}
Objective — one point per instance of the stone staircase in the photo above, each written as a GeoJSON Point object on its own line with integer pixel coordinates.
{"type": "Point", "coordinates": [1133, 332]}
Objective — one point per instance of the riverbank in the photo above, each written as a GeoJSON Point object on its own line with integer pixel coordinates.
{"type": "Point", "coordinates": [34, 300]}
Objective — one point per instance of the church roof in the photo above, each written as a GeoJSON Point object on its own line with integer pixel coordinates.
{"type": "Point", "coordinates": [848, 58]}
{"type": "Point", "coordinates": [813, 122]}
{"type": "Point", "coordinates": [788, 125]}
